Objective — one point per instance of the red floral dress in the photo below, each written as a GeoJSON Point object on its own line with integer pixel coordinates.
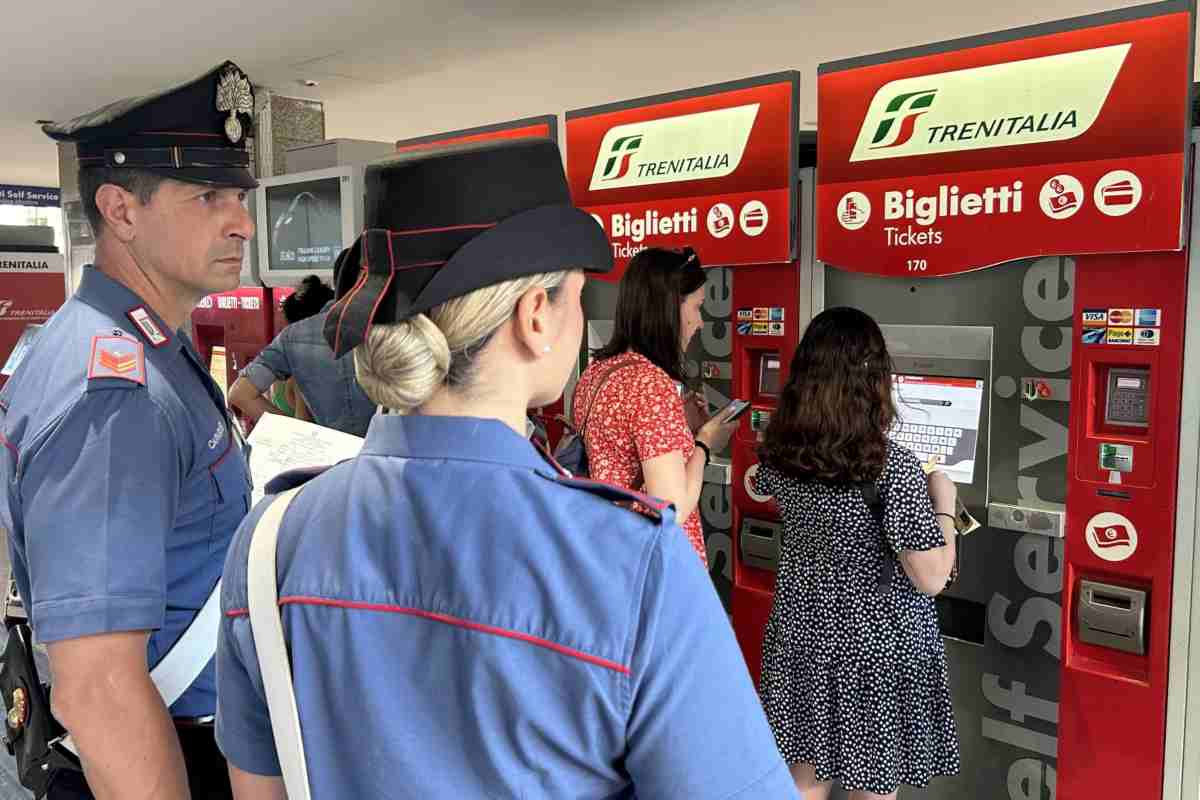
{"type": "Point", "coordinates": [639, 415]}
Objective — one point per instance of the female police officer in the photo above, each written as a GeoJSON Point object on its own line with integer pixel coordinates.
{"type": "Point", "coordinates": [464, 620]}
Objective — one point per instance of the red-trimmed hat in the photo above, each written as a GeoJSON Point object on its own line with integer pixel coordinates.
{"type": "Point", "coordinates": [442, 224]}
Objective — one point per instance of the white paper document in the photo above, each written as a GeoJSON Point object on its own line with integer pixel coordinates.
{"type": "Point", "coordinates": [280, 443]}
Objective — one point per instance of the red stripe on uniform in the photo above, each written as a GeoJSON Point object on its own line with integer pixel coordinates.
{"type": "Point", "coordinates": [448, 620]}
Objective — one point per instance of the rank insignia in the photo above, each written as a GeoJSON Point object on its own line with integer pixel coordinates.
{"type": "Point", "coordinates": [117, 357]}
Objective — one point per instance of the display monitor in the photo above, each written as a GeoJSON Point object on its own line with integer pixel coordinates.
{"type": "Point", "coordinates": [19, 350]}
{"type": "Point", "coordinates": [304, 221]}
{"type": "Point", "coordinates": [305, 224]}
{"type": "Point", "coordinates": [938, 418]}
{"type": "Point", "coordinates": [768, 375]}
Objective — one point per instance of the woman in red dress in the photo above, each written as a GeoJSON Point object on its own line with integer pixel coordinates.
{"type": "Point", "coordinates": [637, 430]}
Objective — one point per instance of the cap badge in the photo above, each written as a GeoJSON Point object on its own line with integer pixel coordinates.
{"type": "Point", "coordinates": [235, 96]}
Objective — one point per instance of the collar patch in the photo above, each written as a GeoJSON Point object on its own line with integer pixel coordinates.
{"type": "Point", "coordinates": [140, 317]}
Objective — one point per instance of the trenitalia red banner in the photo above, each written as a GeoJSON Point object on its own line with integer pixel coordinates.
{"type": "Point", "coordinates": [546, 126]}
{"type": "Point", "coordinates": [1061, 139]}
{"type": "Point", "coordinates": [713, 168]}
{"type": "Point", "coordinates": [32, 287]}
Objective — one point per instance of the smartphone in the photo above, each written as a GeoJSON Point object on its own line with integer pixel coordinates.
{"type": "Point", "coordinates": [734, 410]}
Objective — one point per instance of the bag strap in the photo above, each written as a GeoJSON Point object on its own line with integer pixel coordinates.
{"type": "Point", "coordinates": [596, 394]}
{"type": "Point", "coordinates": [266, 625]}
{"type": "Point", "coordinates": [192, 651]}
{"type": "Point", "coordinates": [874, 501]}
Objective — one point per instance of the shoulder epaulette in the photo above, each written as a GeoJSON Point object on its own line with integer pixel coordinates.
{"type": "Point", "coordinates": [115, 358]}
{"type": "Point", "coordinates": [653, 508]}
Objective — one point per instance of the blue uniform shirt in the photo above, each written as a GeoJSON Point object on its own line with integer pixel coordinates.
{"type": "Point", "coordinates": [328, 385]}
{"type": "Point", "coordinates": [463, 622]}
{"type": "Point", "coordinates": [122, 481]}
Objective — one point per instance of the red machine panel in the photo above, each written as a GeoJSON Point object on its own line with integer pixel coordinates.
{"type": "Point", "coordinates": [34, 288]}
{"type": "Point", "coordinates": [1123, 463]}
{"type": "Point", "coordinates": [241, 321]}
{"type": "Point", "coordinates": [766, 302]}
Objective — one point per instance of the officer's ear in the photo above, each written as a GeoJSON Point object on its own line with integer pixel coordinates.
{"type": "Point", "coordinates": [533, 321]}
{"type": "Point", "coordinates": [119, 209]}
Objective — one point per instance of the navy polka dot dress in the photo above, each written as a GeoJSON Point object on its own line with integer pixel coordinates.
{"type": "Point", "coordinates": [853, 682]}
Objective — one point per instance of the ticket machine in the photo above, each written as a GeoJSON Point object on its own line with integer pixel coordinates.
{"type": "Point", "coordinates": [766, 331]}
{"type": "Point", "coordinates": [1059, 321]}
{"type": "Point", "coordinates": [771, 305]}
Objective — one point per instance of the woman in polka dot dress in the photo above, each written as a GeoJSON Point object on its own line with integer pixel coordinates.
{"type": "Point", "coordinates": [637, 428]}
{"type": "Point", "coordinates": [854, 677]}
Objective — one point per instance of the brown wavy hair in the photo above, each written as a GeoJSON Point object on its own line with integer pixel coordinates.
{"type": "Point", "coordinates": [836, 409]}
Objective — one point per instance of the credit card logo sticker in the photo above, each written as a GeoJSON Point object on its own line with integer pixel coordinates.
{"type": "Point", "coordinates": [1120, 336]}
{"type": "Point", "coordinates": [1147, 336]}
{"type": "Point", "coordinates": [1149, 317]}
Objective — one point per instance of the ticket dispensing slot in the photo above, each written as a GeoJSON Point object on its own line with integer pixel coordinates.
{"type": "Point", "coordinates": [1112, 616]}
{"type": "Point", "coordinates": [760, 541]}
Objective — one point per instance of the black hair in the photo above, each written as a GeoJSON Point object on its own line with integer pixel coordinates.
{"type": "Point", "coordinates": [307, 300]}
{"type": "Point", "coordinates": [836, 409]}
{"type": "Point", "coordinates": [138, 182]}
{"type": "Point", "coordinates": [648, 300]}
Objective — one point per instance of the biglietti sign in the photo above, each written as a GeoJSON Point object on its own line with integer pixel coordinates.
{"type": "Point", "coordinates": [1063, 139]}
{"type": "Point", "coordinates": [712, 168]}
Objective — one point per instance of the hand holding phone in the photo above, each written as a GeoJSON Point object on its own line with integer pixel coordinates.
{"type": "Point", "coordinates": [735, 409]}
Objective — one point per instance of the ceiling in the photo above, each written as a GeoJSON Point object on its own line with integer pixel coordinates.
{"type": "Point", "coordinates": [467, 62]}
{"type": "Point", "coordinates": [72, 56]}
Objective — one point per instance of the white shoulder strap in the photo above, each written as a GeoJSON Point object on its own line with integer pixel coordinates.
{"type": "Point", "coordinates": [191, 653]}
{"type": "Point", "coordinates": [267, 626]}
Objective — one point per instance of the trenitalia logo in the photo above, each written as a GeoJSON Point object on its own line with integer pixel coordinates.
{"type": "Point", "coordinates": [1047, 99]}
{"type": "Point", "coordinates": [617, 166]}
{"type": "Point", "coordinates": [676, 149]}
{"type": "Point", "coordinates": [906, 108]}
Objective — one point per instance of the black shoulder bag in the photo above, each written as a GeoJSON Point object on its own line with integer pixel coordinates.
{"type": "Point", "coordinates": [571, 453]}
{"type": "Point", "coordinates": [31, 733]}
{"type": "Point", "coordinates": [874, 501]}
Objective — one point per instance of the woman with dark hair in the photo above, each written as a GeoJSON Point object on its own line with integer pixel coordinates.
{"type": "Point", "coordinates": [637, 431]}
{"type": "Point", "coordinates": [854, 677]}
{"type": "Point", "coordinates": [308, 300]}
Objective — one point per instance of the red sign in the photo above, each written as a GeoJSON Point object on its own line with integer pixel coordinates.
{"type": "Point", "coordinates": [712, 168]}
{"type": "Point", "coordinates": [546, 126]}
{"type": "Point", "coordinates": [1044, 141]}
{"type": "Point", "coordinates": [34, 286]}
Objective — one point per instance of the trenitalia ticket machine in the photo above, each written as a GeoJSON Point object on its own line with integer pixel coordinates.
{"type": "Point", "coordinates": [771, 305]}
{"type": "Point", "coordinates": [1071, 635]}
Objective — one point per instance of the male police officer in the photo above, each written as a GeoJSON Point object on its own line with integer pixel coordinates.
{"type": "Point", "coordinates": [123, 477]}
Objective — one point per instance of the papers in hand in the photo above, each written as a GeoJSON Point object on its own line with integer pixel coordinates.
{"type": "Point", "coordinates": [280, 443]}
{"type": "Point", "coordinates": [964, 523]}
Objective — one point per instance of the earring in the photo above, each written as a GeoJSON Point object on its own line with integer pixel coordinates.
{"type": "Point", "coordinates": [546, 349]}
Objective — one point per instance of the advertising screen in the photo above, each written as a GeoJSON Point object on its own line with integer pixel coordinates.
{"type": "Point", "coordinates": [305, 221]}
